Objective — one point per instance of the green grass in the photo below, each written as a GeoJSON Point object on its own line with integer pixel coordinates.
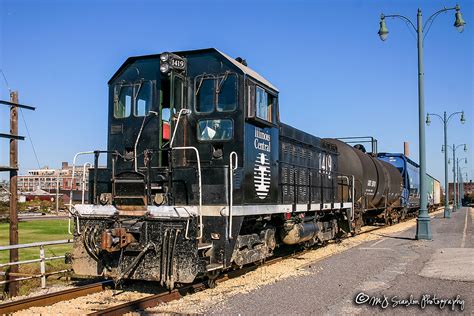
{"type": "Point", "coordinates": [36, 231]}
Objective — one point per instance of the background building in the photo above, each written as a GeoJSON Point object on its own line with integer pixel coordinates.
{"type": "Point", "coordinates": [51, 179]}
{"type": "Point", "coordinates": [468, 189]}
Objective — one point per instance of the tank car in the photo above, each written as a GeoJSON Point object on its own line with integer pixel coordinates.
{"type": "Point", "coordinates": [378, 186]}
{"type": "Point", "coordinates": [202, 176]}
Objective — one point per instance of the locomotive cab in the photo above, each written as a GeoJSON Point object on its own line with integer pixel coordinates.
{"type": "Point", "coordinates": [210, 102]}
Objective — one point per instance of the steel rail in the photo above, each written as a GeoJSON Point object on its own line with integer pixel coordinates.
{"type": "Point", "coordinates": [149, 301]}
{"type": "Point", "coordinates": [168, 296]}
{"type": "Point", "coordinates": [52, 298]}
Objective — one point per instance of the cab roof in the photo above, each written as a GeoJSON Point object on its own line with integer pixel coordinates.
{"type": "Point", "coordinates": [244, 69]}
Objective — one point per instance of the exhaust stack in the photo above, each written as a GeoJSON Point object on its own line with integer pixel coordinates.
{"type": "Point", "coordinates": [406, 149]}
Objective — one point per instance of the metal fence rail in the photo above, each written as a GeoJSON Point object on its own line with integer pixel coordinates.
{"type": "Point", "coordinates": [42, 260]}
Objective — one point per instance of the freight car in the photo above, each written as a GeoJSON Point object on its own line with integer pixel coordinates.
{"type": "Point", "coordinates": [434, 192]}
{"type": "Point", "coordinates": [378, 187]}
{"type": "Point", "coordinates": [410, 172]}
{"type": "Point", "coordinates": [202, 176]}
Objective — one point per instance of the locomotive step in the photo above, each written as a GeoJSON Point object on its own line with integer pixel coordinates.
{"type": "Point", "coordinates": [214, 266]}
{"type": "Point", "coordinates": [204, 246]}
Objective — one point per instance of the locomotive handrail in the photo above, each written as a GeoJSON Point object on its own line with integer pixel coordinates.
{"type": "Point", "coordinates": [84, 180]}
{"type": "Point", "coordinates": [199, 181]}
{"type": "Point", "coordinates": [70, 206]}
{"type": "Point", "coordinates": [138, 138]}
{"type": "Point", "coordinates": [231, 198]}
{"type": "Point", "coordinates": [185, 111]}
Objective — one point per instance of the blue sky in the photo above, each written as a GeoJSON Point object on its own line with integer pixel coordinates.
{"type": "Point", "coordinates": [336, 78]}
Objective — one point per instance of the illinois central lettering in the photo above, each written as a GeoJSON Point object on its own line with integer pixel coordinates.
{"type": "Point", "coordinates": [262, 135]}
{"type": "Point", "coordinates": [262, 140]}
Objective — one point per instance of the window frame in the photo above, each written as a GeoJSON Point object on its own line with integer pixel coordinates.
{"type": "Point", "coordinates": [134, 85]}
{"type": "Point", "coordinates": [215, 98]}
{"type": "Point", "coordinates": [204, 76]}
{"type": "Point", "coordinates": [227, 75]}
{"type": "Point", "coordinates": [215, 140]}
{"type": "Point", "coordinates": [135, 106]}
{"type": "Point", "coordinates": [117, 93]}
{"type": "Point", "coordinates": [252, 104]}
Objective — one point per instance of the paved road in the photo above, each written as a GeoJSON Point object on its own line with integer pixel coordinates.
{"type": "Point", "coordinates": [395, 266]}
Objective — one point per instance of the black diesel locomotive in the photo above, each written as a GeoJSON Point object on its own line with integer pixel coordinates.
{"type": "Point", "coordinates": [202, 176]}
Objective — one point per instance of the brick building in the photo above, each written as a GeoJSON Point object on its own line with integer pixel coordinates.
{"type": "Point", "coordinates": [468, 188]}
{"type": "Point", "coordinates": [49, 179]}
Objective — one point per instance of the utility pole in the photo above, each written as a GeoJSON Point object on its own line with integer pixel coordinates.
{"type": "Point", "coordinates": [13, 286]}
{"type": "Point", "coordinates": [13, 169]}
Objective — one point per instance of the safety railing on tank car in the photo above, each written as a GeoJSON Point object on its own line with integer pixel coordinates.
{"type": "Point", "coordinates": [350, 184]}
{"type": "Point", "coordinates": [42, 261]}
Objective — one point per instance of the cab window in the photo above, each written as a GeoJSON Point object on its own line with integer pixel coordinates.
{"type": "Point", "coordinates": [261, 105]}
{"type": "Point", "coordinates": [123, 105]}
{"type": "Point", "coordinates": [133, 98]}
{"type": "Point", "coordinates": [264, 105]}
{"type": "Point", "coordinates": [210, 130]}
{"type": "Point", "coordinates": [227, 93]}
{"type": "Point", "coordinates": [205, 95]}
{"type": "Point", "coordinates": [143, 100]}
{"type": "Point", "coordinates": [216, 93]}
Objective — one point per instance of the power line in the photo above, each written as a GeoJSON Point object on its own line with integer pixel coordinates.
{"type": "Point", "coordinates": [31, 139]}
{"type": "Point", "coordinates": [24, 122]}
{"type": "Point", "coordinates": [6, 81]}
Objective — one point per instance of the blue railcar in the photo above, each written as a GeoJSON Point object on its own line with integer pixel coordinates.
{"type": "Point", "coordinates": [410, 172]}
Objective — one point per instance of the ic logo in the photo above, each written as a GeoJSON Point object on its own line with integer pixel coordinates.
{"type": "Point", "coordinates": [261, 175]}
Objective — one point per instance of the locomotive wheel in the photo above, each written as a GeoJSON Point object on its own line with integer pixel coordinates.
{"type": "Point", "coordinates": [212, 281]}
{"type": "Point", "coordinates": [403, 214]}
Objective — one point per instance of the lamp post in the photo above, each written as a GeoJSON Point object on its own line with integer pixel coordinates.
{"type": "Point", "coordinates": [423, 227]}
{"type": "Point", "coordinates": [460, 180]}
{"type": "Point", "coordinates": [454, 148]}
{"type": "Point", "coordinates": [445, 120]}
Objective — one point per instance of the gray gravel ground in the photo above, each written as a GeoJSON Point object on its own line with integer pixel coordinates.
{"type": "Point", "coordinates": [389, 266]}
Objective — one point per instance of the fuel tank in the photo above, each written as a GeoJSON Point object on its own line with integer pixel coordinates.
{"type": "Point", "coordinates": [377, 183]}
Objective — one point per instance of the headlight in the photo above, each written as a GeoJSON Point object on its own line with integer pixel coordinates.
{"type": "Point", "coordinates": [164, 67]}
{"type": "Point", "coordinates": [105, 198]}
{"type": "Point", "coordinates": [164, 57]}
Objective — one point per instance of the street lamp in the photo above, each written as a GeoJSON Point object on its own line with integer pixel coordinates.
{"type": "Point", "coordinates": [445, 120]}
{"type": "Point", "coordinates": [459, 22]}
{"type": "Point", "coordinates": [454, 148]}
{"type": "Point", "coordinates": [423, 227]}
{"type": "Point", "coordinates": [460, 180]}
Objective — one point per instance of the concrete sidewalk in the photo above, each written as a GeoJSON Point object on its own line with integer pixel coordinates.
{"type": "Point", "coordinates": [392, 275]}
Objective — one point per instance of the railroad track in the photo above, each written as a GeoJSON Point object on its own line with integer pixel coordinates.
{"type": "Point", "coordinates": [168, 296]}
{"type": "Point", "coordinates": [149, 301]}
{"type": "Point", "coordinates": [52, 298]}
